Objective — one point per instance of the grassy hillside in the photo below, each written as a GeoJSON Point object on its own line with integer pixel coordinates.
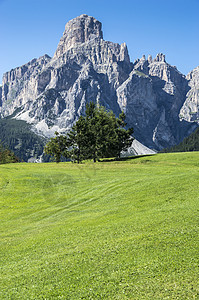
{"type": "Point", "coordinates": [112, 230]}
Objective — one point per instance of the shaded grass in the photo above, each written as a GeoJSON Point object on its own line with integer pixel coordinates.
{"type": "Point", "coordinates": [111, 230]}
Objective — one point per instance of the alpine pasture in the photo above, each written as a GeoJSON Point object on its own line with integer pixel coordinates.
{"type": "Point", "coordinates": [109, 230]}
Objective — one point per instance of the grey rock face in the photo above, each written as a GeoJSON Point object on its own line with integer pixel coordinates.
{"type": "Point", "coordinates": [190, 108]}
{"type": "Point", "coordinates": [152, 97]}
{"type": "Point", "coordinates": [79, 30]}
{"type": "Point", "coordinates": [137, 149]}
{"type": "Point", "coordinates": [51, 93]}
{"type": "Point", "coordinates": [22, 85]}
{"type": "Point", "coordinates": [137, 99]}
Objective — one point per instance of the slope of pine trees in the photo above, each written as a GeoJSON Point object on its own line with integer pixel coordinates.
{"type": "Point", "coordinates": [190, 143]}
{"type": "Point", "coordinates": [18, 137]}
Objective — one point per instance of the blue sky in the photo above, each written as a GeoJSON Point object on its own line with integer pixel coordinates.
{"type": "Point", "coordinates": [31, 28]}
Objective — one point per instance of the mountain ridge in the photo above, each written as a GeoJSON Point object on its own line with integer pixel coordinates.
{"type": "Point", "coordinates": [51, 93]}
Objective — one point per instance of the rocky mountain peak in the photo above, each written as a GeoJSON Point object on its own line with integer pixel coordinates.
{"type": "Point", "coordinates": [194, 75]}
{"type": "Point", "coordinates": [79, 30]}
{"type": "Point", "coordinates": [150, 59]}
{"type": "Point", "coordinates": [160, 57]}
{"type": "Point", "coordinates": [50, 94]}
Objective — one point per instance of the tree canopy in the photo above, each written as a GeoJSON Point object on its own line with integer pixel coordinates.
{"type": "Point", "coordinates": [96, 135]}
{"type": "Point", "coordinates": [7, 156]}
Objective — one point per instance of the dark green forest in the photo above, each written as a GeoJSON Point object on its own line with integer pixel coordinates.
{"type": "Point", "coordinates": [17, 136]}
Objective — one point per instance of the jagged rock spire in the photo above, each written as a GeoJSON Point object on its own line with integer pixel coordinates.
{"type": "Point", "coordinates": [160, 57]}
{"type": "Point", "coordinates": [79, 30]}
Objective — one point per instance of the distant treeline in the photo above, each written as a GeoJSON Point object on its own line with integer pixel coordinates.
{"type": "Point", "coordinates": [190, 143]}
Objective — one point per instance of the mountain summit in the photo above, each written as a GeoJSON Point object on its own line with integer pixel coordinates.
{"type": "Point", "coordinates": [51, 93]}
{"type": "Point", "coordinates": [79, 30]}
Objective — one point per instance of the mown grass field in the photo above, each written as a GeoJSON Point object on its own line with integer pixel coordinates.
{"type": "Point", "coordinates": [111, 230]}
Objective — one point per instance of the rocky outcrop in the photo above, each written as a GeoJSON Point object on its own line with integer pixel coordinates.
{"type": "Point", "coordinates": [51, 93]}
{"type": "Point", "coordinates": [190, 108]}
{"type": "Point", "coordinates": [138, 100]}
{"type": "Point", "coordinates": [23, 85]}
{"type": "Point", "coordinates": [77, 31]}
{"type": "Point", "coordinates": [152, 97]}
{"type": "Point", "coordinates": [137, 149]}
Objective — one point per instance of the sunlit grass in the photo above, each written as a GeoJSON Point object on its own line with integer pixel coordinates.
{"type": "Point", "coordinates": [110, 230]}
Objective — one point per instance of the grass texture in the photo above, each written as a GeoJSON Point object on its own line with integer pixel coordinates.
{"type": "Point", "coordinates": [110, 230]}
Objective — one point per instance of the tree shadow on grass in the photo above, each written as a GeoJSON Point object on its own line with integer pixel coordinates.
{"type": "Point", "coordinates": [125, 158]}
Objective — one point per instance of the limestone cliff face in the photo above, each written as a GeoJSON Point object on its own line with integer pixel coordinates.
{"type": "Point", "coordinates": [154, 93]}
{"type": "Point", "coordinates": [51, 93]}
{"type": "Point", "coordinates": [190, 108]}
{"type": "Point", "coordinates": [79, 30]}
{"type": "Point", "coordinates": [138, 100]}
{"type": "Point", "coordinates": [23, 85]}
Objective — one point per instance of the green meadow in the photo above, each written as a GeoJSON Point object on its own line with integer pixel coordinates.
{"type": "Point", "coordinates": [109, 230]}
